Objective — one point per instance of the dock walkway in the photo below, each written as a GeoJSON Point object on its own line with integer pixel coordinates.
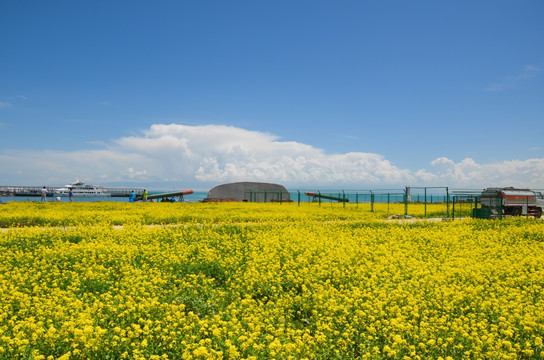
{"type": "Point", "coordinates": [36, 191]}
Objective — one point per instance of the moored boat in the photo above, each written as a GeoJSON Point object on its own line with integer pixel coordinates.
{"type": "Point", "coordinates": [81, 189]}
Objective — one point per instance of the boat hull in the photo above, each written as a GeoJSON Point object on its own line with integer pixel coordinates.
{"type": "Point", "coordinates": [79, 194]}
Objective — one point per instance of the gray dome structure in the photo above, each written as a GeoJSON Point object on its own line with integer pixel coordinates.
{"type": "Point", "coordinates": [249, 191]}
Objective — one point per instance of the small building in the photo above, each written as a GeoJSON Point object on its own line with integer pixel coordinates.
{"type": "Point", "coordinates": [250, 192]}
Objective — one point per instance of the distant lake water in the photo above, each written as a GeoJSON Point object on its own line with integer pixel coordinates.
{"type": "Point", "coordinates": [201, 195]}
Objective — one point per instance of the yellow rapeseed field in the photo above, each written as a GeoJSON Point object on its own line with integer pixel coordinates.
{"type": "Point", "coordinates": [265, 281]}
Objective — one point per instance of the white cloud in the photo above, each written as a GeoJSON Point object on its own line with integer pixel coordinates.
{"type": "Point", "coordinates": [468, 173]}
{"type": "Point", "coordinates": [213, 154]}
{"type": "Point", "coordinates": [528, 72]}
{"type": "Point", "coordinates": [14, 99]}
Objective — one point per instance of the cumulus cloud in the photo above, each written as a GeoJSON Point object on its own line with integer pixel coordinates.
{"type": "Point", "coordinates": [212, 154]}
{"type": "Point", "coordinates": [215, 153]}
{"type": "Point", "coordinates": [467, 173]}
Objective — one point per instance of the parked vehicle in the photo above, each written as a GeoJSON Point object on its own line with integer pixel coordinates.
{"type": "Point", "coordinates": [512, 201]}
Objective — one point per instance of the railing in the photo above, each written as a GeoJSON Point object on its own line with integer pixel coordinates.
{"type": "Point", "coordinates": [441, 202]}
{"type": "Point", "coordinates": [36, 191]}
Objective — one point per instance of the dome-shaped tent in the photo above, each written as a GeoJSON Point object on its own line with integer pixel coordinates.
{"type": "Point", "coordinates": [248, 191]}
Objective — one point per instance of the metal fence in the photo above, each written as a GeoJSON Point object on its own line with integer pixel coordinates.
{"type": "Point", "coordinates": [268, 196]}
{"type": "Point", "coordinates": [426, 202]}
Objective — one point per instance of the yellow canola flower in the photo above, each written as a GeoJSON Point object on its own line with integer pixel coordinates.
{"type": "Point", "coordinates": [261, 281]}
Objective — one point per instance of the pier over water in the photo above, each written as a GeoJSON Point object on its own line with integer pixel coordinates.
{"type": "Point", "coordinates": [25, 190]}
{"type": "Point", "coordinates": [30, 191]}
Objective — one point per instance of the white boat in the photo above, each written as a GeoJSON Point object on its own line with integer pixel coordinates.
{"type": "Point", "coordinates": [81, 189]}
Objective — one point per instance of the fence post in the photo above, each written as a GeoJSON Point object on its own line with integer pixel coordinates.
{"type": "Point", "coordinates": [344, 196]}
{"type": "Point", "coordinates": [425, 202]}
{"type": "Point", "coordinates": [388, 201]}
{"type": "Point", "coordinates": [406, 201]}
{"type": "Point", "coordinates": [357, 199]}
{"type": "Point", "coordinates": [371, 201]}
{"type": "Point", "coordinates": [501, 208]}
{"type": "Point", "coordinates": [447, 203]}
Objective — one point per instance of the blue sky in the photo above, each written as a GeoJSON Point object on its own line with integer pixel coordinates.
{"type": "Point", "coordinates": [345, 94]}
